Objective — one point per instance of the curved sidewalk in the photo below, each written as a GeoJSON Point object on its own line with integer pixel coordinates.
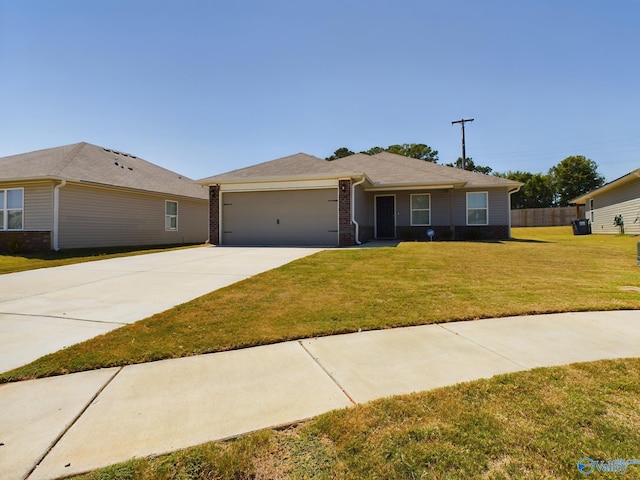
{"type": "Point", "coordinates": [56, 427]}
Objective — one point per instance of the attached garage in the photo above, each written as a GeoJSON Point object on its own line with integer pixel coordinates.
{"type": "Point", "coordinates": [280, 217]}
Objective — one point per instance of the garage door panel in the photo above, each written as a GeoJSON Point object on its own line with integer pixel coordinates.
{"type": "Point", "coordinates": [299, 217]}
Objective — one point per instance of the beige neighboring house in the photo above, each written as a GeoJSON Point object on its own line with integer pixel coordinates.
{"type": "Point", "coordinates": [304, 200]}
{"type": "Point", "coordinates": [82, 195]}
{"type": "Point", "coordinates": [619, 197]}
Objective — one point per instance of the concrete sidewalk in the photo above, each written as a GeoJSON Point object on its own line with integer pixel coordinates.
{"type": "Point", "coordinates": [45, 310]}
{"type": "Point", "coordinates": [60, 426]}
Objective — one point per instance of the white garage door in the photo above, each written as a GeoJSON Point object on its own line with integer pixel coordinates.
{"type": "Point", "coordinates": [294, 217]}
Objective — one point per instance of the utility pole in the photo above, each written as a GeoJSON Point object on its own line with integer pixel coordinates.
{"type": "Point", "coordinates": [464, 155]}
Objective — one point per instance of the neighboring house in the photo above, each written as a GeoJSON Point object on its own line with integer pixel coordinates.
{"type": "Point", "coordinates": [619, 197]}
{"type": "Point", "coordinates": [83, 195]}
{"type": "Point", "coordinates": [304, 200]}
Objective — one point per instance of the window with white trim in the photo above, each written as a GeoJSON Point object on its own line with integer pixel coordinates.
{"type": "Point", "coordinates": [420, 209]}
{"type": "Point", "coordinates": [11, 209]}
{"type": "Point", "coordinates": [477, 208]}
{"type": "Point", "coordinates": [170, 215]}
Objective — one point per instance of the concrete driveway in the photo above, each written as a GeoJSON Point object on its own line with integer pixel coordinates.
{"type": "Point", "coordinates": [45, 310]}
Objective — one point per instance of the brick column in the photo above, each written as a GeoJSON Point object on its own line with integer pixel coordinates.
{"type": "Point", "coordinates": [214, 214]}
{"type": "Point", "coordinates": [346, 230]}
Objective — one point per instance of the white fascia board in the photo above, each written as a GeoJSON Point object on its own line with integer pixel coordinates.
{"type": "Point", "coordinates": [380, 188]}
{"type": "Point", "coordinates": [285, 185]}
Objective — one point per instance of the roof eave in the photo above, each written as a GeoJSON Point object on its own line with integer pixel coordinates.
{"type": "Point", "coordinates": [32, 179]}
{"type": "Point", "coordinates": [582, 200]}
{"type": "Point", "coordinates": [412, 186]}
{"type": "Point", "coordinates": [275, 178]}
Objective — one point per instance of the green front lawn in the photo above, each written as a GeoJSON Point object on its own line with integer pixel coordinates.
{"type": "Point", "coordinates": [21, 262]}
{"type": "Point", "coordinates": [344, 290]}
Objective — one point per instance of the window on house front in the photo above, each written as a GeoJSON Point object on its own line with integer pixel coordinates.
{"type": "Point", "coordinates": [11, 209]}
{"type": "Point", "coordinates": [477, 208]}
{"type": "Point", "coordinates": [591, 210]}
{"type": "Point", "coordinates": [170, 215]}
{"type": "Point", "coordinates": [420, 209]}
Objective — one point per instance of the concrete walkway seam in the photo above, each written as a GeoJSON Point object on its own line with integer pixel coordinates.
{"type": "Point", "coordinates": [62, 317]}
{"type": "Point", "coordinates": [73, 422]}
{"type": "Point", "coordinates": [333, 379]}
{"type": "Point", "coordinates": [495, 352]}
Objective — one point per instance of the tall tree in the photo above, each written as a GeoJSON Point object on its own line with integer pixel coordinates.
{"type": "Point", "coordinates": [374, 150]}
{"type": "Point", "coordinates": [574, 176]}
{"type": "Point", "coordinates": [537, 191]}
{"type": "Point", "coordinates": [415, 150]}
{"type": "Point", "coordinates": [471, 166]}
{"type": "Point", "coordinates": [340, 153]}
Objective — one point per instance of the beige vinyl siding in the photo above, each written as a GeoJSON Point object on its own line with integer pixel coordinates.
{"type": "Point", "coordinates": [363, 207]}
{"type": "Point", "coordinates": [38, 204]}
{"type": "Point", "coordinates": [94, 216]}
{"type": "Point", "coordinates": [439, 209]}
{"type": "Point", "coordinates": [499, 209]}
{"type": "Point", "coordinates": [623, 200]}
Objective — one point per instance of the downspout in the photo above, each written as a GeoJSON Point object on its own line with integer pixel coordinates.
{"type": "Point", "coordinates": [511, 192]}
{"type": "Point", "coordinates": [353, 209]}
{"type": "Point", "coordinates": [56, 213]}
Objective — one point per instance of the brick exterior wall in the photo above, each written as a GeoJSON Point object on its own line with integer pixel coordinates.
{"type": "Point", "coordinates": [214, 214]}
{"type": "Point", "coordinates": [25, 242]}
{"type": "Point", "coordinates": [346, 230]}
{"type": "Point", "coordinates": [463, 233]}
{"type": "Point", "coordinates": [487, 232]}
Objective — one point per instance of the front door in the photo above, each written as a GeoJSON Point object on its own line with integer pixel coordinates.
{"type": "Point", "coordinates": [386, 216]}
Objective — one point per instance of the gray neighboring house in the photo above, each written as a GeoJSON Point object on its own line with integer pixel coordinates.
{"type": "Point", "coordinates": [82, 195]}
{"type": "Point", "coordinates": [305, 200]}
{"type": "Point", "coordinates": [619, 197]}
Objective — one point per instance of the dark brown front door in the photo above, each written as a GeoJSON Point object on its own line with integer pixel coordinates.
{"type": "Point", "coordinates": [386, 217]}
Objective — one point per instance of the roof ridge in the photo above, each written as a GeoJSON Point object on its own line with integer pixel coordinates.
{"type": "Point", "coordinates": [402, 158]}
{"type": "Point", "coordinates": [73, 154]}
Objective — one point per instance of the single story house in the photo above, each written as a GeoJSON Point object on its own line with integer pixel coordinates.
{"type": "Point", "coordinates": [305, 200]}
{"type": "Point", "coordinates": [82, 195]}
{"type": "Point", "coordinates": [620, 197]}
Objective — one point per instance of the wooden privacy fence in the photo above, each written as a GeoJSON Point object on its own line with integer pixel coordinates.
{"type": "Point", "coordinates": [545, 217]}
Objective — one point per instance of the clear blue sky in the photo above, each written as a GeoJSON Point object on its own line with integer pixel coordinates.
{"type": "Point", "coordinates": [203, 87]}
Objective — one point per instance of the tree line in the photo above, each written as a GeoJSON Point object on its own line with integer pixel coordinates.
{"type": "Point", "coordinates": [570, 178]}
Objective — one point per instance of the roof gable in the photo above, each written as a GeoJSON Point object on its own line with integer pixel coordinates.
{"type": "Point", "coordinates": [383, 170]}
{"type": "Point", "coordinates": [298, 166]}
{"type": "Point", "coordinates": [86, 163]}
{"type": "Point", "coordinates": [629, 177]}
{"type": "Point", "coordinates": [388, 170]}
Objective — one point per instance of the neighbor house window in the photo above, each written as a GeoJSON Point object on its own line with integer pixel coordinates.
{"type": "Point", "coordinates": [11, 208]}
{"type": "Point", "coordinates": [477, 208]}
{"type": "Point", "coordinates": [421, 209]}
{"type": "Point", "coordinates": [170, 215]}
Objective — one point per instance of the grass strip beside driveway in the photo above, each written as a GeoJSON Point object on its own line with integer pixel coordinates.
{"type": "Point", "coordinates": [343, 290]}
{"type": "Point", "coordinates": [22, 262]}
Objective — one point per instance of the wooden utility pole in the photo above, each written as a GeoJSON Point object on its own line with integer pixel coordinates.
{"type": "Point", "coordinates": [464, 155]}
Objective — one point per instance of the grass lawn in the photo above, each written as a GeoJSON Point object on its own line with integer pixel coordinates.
{"type": "Point", "coordinates": [342, 290]}
{"type": "Point", "coordinates": [20, 263]}
{"type": "Point", "coordinates": [526, 425]}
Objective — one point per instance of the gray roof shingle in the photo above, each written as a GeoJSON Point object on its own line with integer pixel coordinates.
{"type": "Point", "coordinates": [382, 170]}
{"type": "Point", "coordinates": [86, 163]}
{"type": "Point", "coordinates": [298, 166]}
